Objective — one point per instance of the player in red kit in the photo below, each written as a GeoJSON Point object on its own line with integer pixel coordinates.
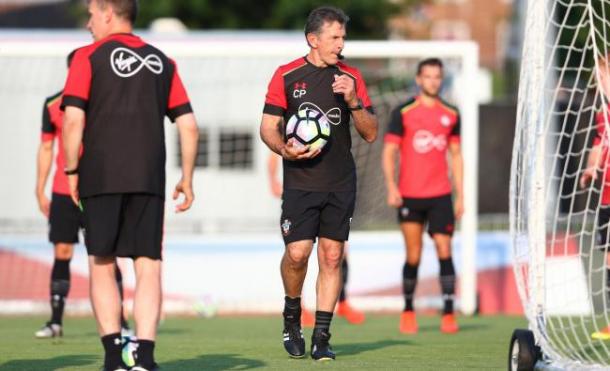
{"type": "Point", "coordinates": [421, 131]}
{"type": "Point", "coordinates": [65, 219]}
{"type": "Point", "coordinates": [598, 166]}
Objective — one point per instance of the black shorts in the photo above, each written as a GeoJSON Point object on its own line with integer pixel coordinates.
{"type": "Point", "coordinates": [307, 215]}
{"type": "Point", "coordinates": [124, 224]}
{"type": "Point", "coordinates": [603, 218]}
{"type": "Point", "coordinates": [65, 220]}
{"type": "Point", "coordinates": [437, 212]}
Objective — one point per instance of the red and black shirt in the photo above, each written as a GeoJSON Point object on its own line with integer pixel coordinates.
{"type": "Point", "coordinates": [52, 121]}
{"type": "Point", "coordinates": [299, 85]}
{"type": "Point", "coordinates": [126, 87]}
{"type": "Point", "coordinates": [423, 134]}
{"type": "Point", "coordinates": [601, 139]}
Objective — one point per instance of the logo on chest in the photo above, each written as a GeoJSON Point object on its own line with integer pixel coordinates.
{"type": "Point", "coordinates": [300, 89]}
{"type": "Point", "coordinates": [425, 141]}
{"type": "Point", "coordinates": [445, 121]}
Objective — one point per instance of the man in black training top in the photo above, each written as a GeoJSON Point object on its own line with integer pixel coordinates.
{"type": "Point", "coordinates": [123, 88]}
{"type": "Point", "coordinates": [319, 185]}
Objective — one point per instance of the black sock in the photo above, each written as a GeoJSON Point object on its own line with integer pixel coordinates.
{"type": "Point", "coordinates": [409, 282]}
{"type": "Point", "coordinates": [344, 271]}
{"type": "Point", "coordinates": [323, 320]}
{"type": "Point", "coordinates": [60, 287]}
{"type": "Point", "coordinates": [447, 278]}
{"type": "Point", "coordinates": [112, 347]}
{"type": "Point", "coordinates": [292, 310]}
{"type": "Point", "coordinates": [119, 283]}
{"type": "Point", "coordinates": [146, 353]}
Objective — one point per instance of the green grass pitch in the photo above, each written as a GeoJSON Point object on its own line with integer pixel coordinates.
{"type": "Point", "coordinates": [244, 343]}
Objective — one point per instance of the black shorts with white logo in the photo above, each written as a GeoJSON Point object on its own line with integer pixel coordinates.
{"type": "Point", "coordinates": [307, 215]}
{"type": "Point", "coordinates": [437, 212]}
{"type": "Point", "coordinates": [124, 224]}
{"type": "Point", "coordinates": [65, 220]}
{"type": "Point", "coordinates": [603, 218]}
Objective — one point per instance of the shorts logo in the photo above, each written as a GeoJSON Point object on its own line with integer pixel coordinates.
{"type": "Point", "coordinates": [126, 63]}
{"type": "Point", "coordinates": [286, 224]}
{"type": "Point", "coordinates": [449, 228]}
{"type": "Point", "coordinates": [404, 212]}
{"type": "Point", "coordinates": [445, 120]}
{"type": "Point", "coordinates": [424, 142]}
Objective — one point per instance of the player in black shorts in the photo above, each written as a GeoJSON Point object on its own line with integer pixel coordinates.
{"type": "Point", "coordinates": [319, 185]}
{"type": "Point", "coordinates": [123, 88]}
{"type": "Point", "coordinates": [64, 217]}
{"type": "Point", "coordinates": [598, 167]}
{"type": "Point", "coordinates": [425, 133]}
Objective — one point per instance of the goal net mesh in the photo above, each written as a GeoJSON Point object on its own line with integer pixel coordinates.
{"type": "Point", "coordinates": [560, 263]}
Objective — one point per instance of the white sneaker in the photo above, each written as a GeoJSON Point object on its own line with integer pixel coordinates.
{"type": "Point", "coordinates": [127, 332]}
{"type": "Point", "coordinates": [50, 330]}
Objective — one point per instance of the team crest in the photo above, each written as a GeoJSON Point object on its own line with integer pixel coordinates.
{"type": "Point", "coordinates": [445, 120]}
{"type": "Point", "coordinates": [286, 224]}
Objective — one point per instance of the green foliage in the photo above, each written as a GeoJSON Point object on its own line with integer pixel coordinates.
{"type": "Point", "coordinates": [368, 18]}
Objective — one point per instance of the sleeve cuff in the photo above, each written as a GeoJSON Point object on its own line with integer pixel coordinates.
{"type": "Point", "coordinates": [45, 137]}
{"type": "Point", "coordinates": [371, 109]}
{"type": "Point", "coordinates": [180, 110]}
{"type": "Point", "coordinates": [392, 138]}
{"type": "Point", "coordinates": [273, 110]}
{"type": "Point", "coordinates": [455, 139]}
{"type": "Point", "coordinates": [596, 141]}
{"type": "Point", "coordinates": [71, 100]}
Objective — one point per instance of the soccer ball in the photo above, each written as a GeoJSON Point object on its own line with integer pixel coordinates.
{"type": "Point", "coordinates": [205, 307]}
{"type": "Point", "coordinates": [308, 127]}
{"type": "Point", "coordinates": [130, 347]}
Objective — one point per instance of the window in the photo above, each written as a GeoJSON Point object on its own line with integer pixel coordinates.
{"type": "Point", "coordinates": [236, 149]}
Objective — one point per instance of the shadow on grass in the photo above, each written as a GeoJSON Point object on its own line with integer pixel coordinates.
{"type": "Point", "coordinates": [463, 327]}
{"type": "Point", "coordinates": [51, 364]}
{"type": "Point", "coordinates": [357, 348]}
{"type": "Point", "coordinates": [161, 330]}
{"type": "Point", "coordinates": [214, 362]}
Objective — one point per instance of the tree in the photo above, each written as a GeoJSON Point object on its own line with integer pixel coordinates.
{"type": "Point", "coordinates": [368, 19]}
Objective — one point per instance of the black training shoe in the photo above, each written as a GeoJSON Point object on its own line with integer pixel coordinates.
{"type": "Point", "coordinates": [294, 343]}
{"type": "Point", "coordinates": [320, 348]}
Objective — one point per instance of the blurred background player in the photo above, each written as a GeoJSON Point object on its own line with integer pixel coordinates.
{"type": "Point", "coordinates": [64, 217]}
{"type": "Point", "coordinates": [123, 88]}
{"type": "Point", "coordinates": [598, 163]}
{"type": "Point", "coordinates": [421, 131]}
{"type": "Point", "coordinates": [319, 186]}
{"type": "Point", "coordinates": [344, 309]}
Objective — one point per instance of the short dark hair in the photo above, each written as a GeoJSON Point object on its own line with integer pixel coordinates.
{"type": "Point", "coordinates": [126, 9]}
{"type": "Point", "coordinates": [71, 56]}
{"type": "Point", "coordinates": [434, 62]}
{"type": "Point", "coordinates": [321, 15]}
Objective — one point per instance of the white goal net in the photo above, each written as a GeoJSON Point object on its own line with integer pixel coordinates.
{"type": "Point", "coordinates": [557, 233]}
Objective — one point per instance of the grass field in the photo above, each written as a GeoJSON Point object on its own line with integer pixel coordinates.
{"type": "Point", "coordinates": [242, 343]}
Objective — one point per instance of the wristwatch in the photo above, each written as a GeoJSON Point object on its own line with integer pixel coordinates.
{"type": "Point", "coordinates": [70, 172]}
{"type": "Point", "coordinates": [357, 108]}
